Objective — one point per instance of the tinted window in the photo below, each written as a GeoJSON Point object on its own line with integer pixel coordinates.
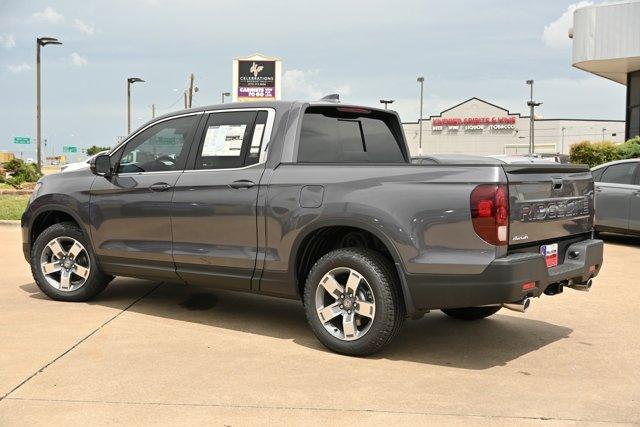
{"type": "Point", "coordinates": [162, 147]}
{"type": "Point", "coordinates": [344, 135]}
{"type": "Point", "coordinates": [619, 174]}
{"type": "Point", "coordinates": [232, 140]}
{"type": "Point", "coordinates": [597, 174]}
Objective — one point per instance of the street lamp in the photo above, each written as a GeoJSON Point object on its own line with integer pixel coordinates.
{"type": "Point", "coordinates": [603, 131]}
{"type": "Point", "coordinates": [130, 81]}
{"type": "Point", "coordinates": [40, 42]}
{"type": "Point", "coordinates": [225, 94]}
{"type": "Point", "coordinates": [421, 81]}
{"type": "Point", "coordinates": [562, 145]}
{"type": "Point", "coordinates": [386, 102]}
{"type": "Point", "coordinates": [532, 106]}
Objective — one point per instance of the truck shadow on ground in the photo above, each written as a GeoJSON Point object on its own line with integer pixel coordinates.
{"type": "Point", "coordinates": [620, 239]}
{"type": "Point", "coordinates": [434, 340]}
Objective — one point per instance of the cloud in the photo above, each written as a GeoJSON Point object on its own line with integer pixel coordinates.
{"type": "Point", "coordinates": [19, 68]}
{"type": "Point", "coordinates": [301, 84]}
{"type": "Point", "coordinates": [556, 34]}
{"type": "Point", "coordinates": [78, 60]}
{"type": "Point", "coordinates": [83, 27]}
{"type": "Point", "coordinates": [7, 41]}
{"type": "Point", "coordinates": [49, 15]}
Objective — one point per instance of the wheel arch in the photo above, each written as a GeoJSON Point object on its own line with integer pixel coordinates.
{"type": "Point", "coordinates": [305, 241]}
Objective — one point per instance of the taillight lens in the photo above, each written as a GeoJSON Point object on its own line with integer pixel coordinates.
{"type": "Point", "coordinates": [490, 213]}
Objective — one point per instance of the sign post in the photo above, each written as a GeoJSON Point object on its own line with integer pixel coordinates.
{"type": "Point", "coordinates": [257, 78]}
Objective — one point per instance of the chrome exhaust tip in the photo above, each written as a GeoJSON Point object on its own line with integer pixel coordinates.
{"type": "Point", "coordinates": [584, 286]}
{"type": "Point", "coordinates": [519, 306]}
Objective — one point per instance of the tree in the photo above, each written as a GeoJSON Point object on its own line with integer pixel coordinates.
{"type": "Point", "coordinates": [94, 149]}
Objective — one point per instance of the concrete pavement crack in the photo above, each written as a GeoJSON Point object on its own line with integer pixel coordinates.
{"type": "Point", "coordinates": [317, 409]}
{"type": "Point", "coordinates": [81, 341]}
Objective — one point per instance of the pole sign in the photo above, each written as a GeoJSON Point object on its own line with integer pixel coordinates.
{"type": "Point", "coordinates": [69, 149]}
{"type": "Point", "coordinates": [256, 78]}
{"type": "Point", "coordinates": [21, 140]}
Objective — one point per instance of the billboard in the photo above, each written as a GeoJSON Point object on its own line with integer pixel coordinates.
{"type": "Point", "coordinates": [256, 77]}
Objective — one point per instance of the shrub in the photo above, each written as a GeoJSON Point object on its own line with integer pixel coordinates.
{"type": "Point", "coordinates": [21, 172]}
{"type": "Point", "coordinates": [630, 149]}
{"type": "Point", "coordinates": [94, 149]}
{"type": "Point", "coordinates": [594, 154]}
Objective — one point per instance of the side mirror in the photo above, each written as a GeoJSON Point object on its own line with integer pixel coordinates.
{"type": "Point", "coordinates": [101, 165]}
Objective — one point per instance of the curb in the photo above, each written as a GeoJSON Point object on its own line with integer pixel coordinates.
{"type": "Point", "coordinates": [9, 223]}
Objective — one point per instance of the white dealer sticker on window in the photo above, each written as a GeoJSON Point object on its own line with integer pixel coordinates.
{"type": "Point", "coordinates": [225, 140]}
{"type": "Point", "coordinates": [257, 139]}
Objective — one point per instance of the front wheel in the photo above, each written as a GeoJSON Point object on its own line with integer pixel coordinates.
{"type": "Point", "coordinates": [353, 302]}
{"type": "Point", "coordinates": [471, 313]}
{"type": "Point", "coordinates": [64, 265]}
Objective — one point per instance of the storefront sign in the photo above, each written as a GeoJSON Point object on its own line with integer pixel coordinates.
{"type": "Point", "coordinates": [256, 79]}
{"type": "Point", "coordinates": [471, 121]}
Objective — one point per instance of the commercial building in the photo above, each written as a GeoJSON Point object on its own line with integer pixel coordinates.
{"type": "Point", "coordinates": [476, 126]}
{"type": "Point", "coordinates": [606, 42]}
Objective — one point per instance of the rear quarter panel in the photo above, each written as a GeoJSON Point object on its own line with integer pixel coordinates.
{"type": "Point", "coordinates": [421, 211]}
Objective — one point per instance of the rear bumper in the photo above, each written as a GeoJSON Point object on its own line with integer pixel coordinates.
{"type": "Point", "coordinates": [501, 282]}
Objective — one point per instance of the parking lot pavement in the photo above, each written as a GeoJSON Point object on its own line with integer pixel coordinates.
{"type": "Point", "coordinates": [148, 352]}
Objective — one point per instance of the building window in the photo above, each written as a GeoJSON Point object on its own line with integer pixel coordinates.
{"type": "Point", "coordinates": [633, 105]}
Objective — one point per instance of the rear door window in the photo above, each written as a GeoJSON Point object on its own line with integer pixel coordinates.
{"type": "Point", "coordinates": [622, 173]}
{"type": "Point", "coordinates": [349, 135]}
{"type": "Point", "coordinates": [232, 140]}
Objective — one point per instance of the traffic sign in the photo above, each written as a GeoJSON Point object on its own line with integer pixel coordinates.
{"type": "Point", "coordinates": [69, 149]}
{"type": "Point", "coordinates": [21, 140]}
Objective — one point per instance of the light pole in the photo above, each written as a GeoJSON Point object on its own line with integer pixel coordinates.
{"type": "Point", "coordinates": [40, 42]}
{"type": "Point", "coordinates": [130, 81]}
{"type": "Point", "coordinates": [532, 105]}
{"type": "Point", "coordinates": [562, 143]}
{"type": "Point", "coordinates": [421, 81]}
{"type": "Point", "coordinates": [386, 102]}
{"type": "Point", "coordinates": [603, 131]}
{"type": "Point", "coordinates": [225, 94]}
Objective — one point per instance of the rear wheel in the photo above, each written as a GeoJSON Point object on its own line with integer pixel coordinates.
{"type": "Point", "coordinates": [352, 301]}
{"type": "Point", "coordinates": [471, 313]}
{"type": "Point", "coordinates": [64, 266]}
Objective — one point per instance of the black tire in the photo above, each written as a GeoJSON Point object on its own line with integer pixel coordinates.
{"type": "Point", "coordinates": [95, 282]}
{"type": "Point", "coordinates": [471, 313]}
{"type": "Point", "coordinates": [381, 277]}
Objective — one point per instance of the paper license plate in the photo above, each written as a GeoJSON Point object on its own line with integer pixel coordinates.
{"type": "Point", "coordinates": [550, 254]}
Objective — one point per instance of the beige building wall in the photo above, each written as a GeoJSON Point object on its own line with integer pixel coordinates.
{"type": "Point", "coordinates": [493, 137]}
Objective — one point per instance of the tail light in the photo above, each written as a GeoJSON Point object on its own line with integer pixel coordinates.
{"type": "Point", "coordinates": [490, 213]}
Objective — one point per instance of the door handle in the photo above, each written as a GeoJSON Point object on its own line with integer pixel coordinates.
{"type": "Point", "coordinates": [243, 183]}
{"type": "Point", "coordinates": [159, 186]}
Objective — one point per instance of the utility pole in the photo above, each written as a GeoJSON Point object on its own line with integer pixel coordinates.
{"type": "Point", "coordinates": [386, 103]}
{"type": "Point", "coordinates": [532, 105]}
{"type": "Point", "coordinates": [421, 81]}
{"type": "Point", "coordinates": [41, 41]}
{"type": "Point", "coordinates": [130, 81]}
{"type": "Point", "coordinates": [153, 111]}
{"type": "Point", "coordinates": [185, 99]}
{"type": "Point", "coordinates": [190, 90]}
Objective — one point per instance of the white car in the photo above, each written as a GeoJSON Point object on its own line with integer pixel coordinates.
{"type": "Point", "coordinates": [80, 165]}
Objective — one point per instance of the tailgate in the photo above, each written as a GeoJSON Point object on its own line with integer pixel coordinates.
{"type": "Point", "coordinates": [548, 202]}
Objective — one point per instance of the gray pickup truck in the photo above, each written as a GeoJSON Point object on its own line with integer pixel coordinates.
{"type": "Point", "coordinates": [317, 202]}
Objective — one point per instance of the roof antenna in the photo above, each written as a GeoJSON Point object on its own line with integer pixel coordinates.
{"type": "Point", "coordinates": [334, 97]}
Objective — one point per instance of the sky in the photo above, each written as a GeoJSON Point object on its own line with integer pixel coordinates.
{"type": "Point", "coordinates": [363, 50]}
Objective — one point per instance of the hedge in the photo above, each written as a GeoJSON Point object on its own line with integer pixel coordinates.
{"type": "Point", "coordinates": [596, 153]}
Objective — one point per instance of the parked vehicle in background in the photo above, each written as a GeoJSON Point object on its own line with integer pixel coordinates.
{"type": "Point", "coordinates": [80, 165]}
{"type": "Point", "coordinates": [617, 187]}
{"type": "Point", "coordinates": [467, 159]}
{"type": "Point", "coordinates": [316, 202]}
{"type": "Point", "coordinates": [554, 157]}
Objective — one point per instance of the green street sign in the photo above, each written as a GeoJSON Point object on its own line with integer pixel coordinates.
{"type": "Point", "coordinates": [69, 149]}
{"type": "Point", "coordinates": [21, 140]}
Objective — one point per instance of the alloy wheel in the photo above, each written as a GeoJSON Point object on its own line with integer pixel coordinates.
{"type": "Point", "coordinates": [65, 264]}
{"type": "Point", "coordinates": [345, 303]}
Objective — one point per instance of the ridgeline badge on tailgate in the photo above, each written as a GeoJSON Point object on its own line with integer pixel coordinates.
{"type": "Point", "coordinates": [541, 210]}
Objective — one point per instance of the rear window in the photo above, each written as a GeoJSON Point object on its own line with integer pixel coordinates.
{"type": "Point", "coordinates": [349, 135]}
